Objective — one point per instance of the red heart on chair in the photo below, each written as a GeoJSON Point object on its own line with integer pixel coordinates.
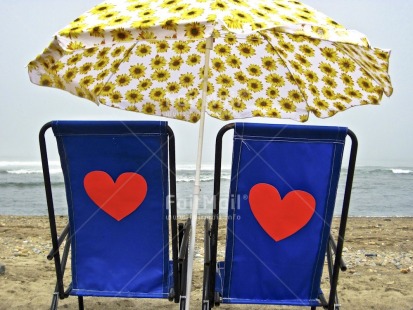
{"type": "Point", "coordinates": [280, 218]}
{"type": "Point", "coordinates": [118, 199]}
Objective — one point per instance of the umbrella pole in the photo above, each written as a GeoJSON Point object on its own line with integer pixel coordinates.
{"type": "Point", "coordinates": [197, 186]}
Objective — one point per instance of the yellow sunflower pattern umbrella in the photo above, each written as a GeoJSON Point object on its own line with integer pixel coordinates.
{"type": "Point", "coordinates": [269, 58]}
{"type": "Point", "coordinates": [229, 58]}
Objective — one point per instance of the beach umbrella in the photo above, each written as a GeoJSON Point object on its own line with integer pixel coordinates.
{"type": "Point", "coordinates": [230, 59]}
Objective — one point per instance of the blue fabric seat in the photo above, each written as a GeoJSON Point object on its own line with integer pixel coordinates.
{"type": "Point", "coordinates": [118, 177]}
{"type": "Point", "coordinates": [283, 188]}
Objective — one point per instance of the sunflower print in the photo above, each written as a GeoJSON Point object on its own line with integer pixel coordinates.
{"type": "Point", "coordinates": [279, 59]}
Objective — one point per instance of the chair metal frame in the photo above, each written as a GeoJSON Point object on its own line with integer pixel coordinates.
{"type": "Point", "coordinates": [210, 298]}
{"type": "Point", "coordinates": [180, 232]}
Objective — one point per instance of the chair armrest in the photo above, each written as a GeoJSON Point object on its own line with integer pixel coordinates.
{"type": "Point", "coordinates": [60, 240]}
{"type": "Point", "coordinates": [333, 246]}
{"type": "Point", "coordinates": [185, 240]}
{"type": "Point", "coordinates": [207, 242]}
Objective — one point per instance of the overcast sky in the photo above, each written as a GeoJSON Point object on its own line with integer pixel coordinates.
{"type": "Point", "coordinates": [384, 132]}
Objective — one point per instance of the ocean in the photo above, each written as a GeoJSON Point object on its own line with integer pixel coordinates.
{"type": "Point", "coordinates": [377, 191]}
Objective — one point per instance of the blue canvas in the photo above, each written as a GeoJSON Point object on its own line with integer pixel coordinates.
{"type": "Point", "coordinates": [282, 194]}
{"type": "Point", "coordinates": [119, 253]}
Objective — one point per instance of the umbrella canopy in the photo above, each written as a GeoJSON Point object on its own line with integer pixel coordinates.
{"type": "Point", "coordinates": [269, 58]}
{"type": "Point", "coordinates": [229, 58]}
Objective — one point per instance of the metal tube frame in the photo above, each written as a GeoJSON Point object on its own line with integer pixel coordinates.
{"type": "Point", "coordinates": [209, 290]}
{"type": "Point", "coordinates": [209, 297]}
{"type": "Point", "coordinates": [343, 222]}
{"type": "Point", "coordinates": [60, 262]}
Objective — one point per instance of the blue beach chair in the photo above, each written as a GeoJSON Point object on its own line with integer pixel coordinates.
{"type": "Point", "coordinates": [283, 189]}
{"type": "Point", "coordinates": [121, 194]}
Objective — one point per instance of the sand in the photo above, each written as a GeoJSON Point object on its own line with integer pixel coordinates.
{"type": "Point", "coordinates": [378, 252]}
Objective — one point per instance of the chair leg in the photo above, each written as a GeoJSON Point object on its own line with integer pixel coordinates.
{"type": "Point", "coordinates": [331, 250]}
{"type": "Point", "coordinates": [80, 301]}
{"type": "Point", "coordinates": [55, 299]}
{"type": "Point", "coordinates": [183, 280]}
{"type": "Point", "coordinates": [183, 263]}
{"type": "Point", "coordinates": [63, 262]}
{"type": "Point", "coordinates": [182, 303]}
{"type": "Point", "coordinates": [206, 305]}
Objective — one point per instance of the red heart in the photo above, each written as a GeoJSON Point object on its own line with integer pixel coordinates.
{"type": "Point", "coordinates": [280, 218]}
{"type": "Point", "coordinates": [118, 199]}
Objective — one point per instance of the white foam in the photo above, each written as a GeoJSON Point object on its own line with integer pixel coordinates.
{"type": "Point", "coordinates": [34, 171]}
{"type": "Point", "coordinates": [26, 163]}
{"type": "Point", "coordinates": [204, 167]}
{"type": "Point", "coordinates": [401, 171]}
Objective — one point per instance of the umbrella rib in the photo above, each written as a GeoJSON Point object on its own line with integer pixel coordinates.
{"type": "Point", "coordinates": [358, 61]}
{"type": "Point", "coordinates": [304, 96]}
{"type": "Point", "coordinates": [113, 73]}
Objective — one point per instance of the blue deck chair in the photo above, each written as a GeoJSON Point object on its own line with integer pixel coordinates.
{"type": "Point", "coordinates": [121, 193]}
{"type": "Point", "coordinates": [283, 189]}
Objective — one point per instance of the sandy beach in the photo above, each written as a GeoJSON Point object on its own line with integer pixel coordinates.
{"type": "Point", "coordinates": [378, 252]}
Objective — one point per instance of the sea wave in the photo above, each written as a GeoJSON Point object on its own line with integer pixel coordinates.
{"type": "Point", "coordinates": [187, 179]}
{"type": "Point", "coordinates": [29, 184]}
{"type": "Point", "coordinates": [401, 171]}
{"type": "Point", "coordinates": [383, 170]}
{"type": "Point", "coordinates": [33, 171]}
{"type": "Point", "coordinates": [205, 167]}
{"type": "Point", "coordinates": [182, 179]}
{"type": "Point", "coordinates": [27, 167]}
{"type": "Point", "coordinates": [26, 163]}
